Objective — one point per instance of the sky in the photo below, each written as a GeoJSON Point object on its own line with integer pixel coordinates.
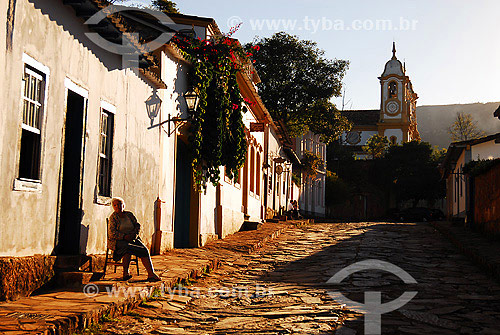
{"type": "Point", "coordinates": [451, 47]}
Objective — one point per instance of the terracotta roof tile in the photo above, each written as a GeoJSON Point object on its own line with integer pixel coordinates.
{"type": "Point", "coordinates": [362, 117]}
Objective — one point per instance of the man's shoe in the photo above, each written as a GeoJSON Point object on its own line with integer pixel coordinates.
{"type": "Point", "coordinates": [153, 279]}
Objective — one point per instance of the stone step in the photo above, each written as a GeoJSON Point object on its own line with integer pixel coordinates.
{"type": "Point", "coordinates": [250, 225]}
{"type": "Point", "coordinates": [73, 263]}
{"type": "Point", "coordinates": [88, 263]}
{"type": "Point", "coordinates": [74, 278]}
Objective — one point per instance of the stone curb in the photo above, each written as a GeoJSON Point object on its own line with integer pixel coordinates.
{"type": "Point", "coordinates": [69, 322]}
{"type": "Point", "coordinates": [474, 245]}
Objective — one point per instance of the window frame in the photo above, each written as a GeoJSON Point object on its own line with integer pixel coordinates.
{"type": "Point", "coordinates": [237, 181]}
{"type": "Point", "coordinates": [251, 187]}
{"type": "Point", "coordinates": [36, 69]}
{"type": "Point", "coordinates": [258, 167]}
{"type": "Point", "coordinates": [110, 111]}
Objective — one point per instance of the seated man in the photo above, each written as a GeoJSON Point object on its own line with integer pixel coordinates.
{"type": "Point", "coordinates": [295, 211]}
{"type": "Point", "coordinates": [289, 209]}
{"type": "Point", "coordinates": [123, 239]}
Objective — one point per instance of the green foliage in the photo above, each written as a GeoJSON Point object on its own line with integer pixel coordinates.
{"type": "Point", "coordinates": [155, 295]}
{"type": "Point", "coordinates": [476, 168]}
{"type": "Point", "coordinates": [296, 178]}
{"type": "Point", "coordinates": [376, 146]}
{"type": "Point", "coordinates": [187, 282]}
{"type": "Point", "coordinates": [297, 84]}
{"type": "Point", "coordinates": [322, 118]}
{"type": "Point", "coordinates": [414, 171]}
{"type": "Point", "coordinates": [438, 155]}
{"type": "Point", "coordinates": [409, 171]}
{"type": "Point", "coordinates": [464, 128]}
{"type": "Point", "coordinates": [165, 6]}
{"type": "Point", "coordinates": [337, 154]}
{"type": "Point", "coordinates": [106, 318]}
{"type": "Point", "coordinates": [217, 129]}
{"type": "Point", "coordinates": [337, 191]}
{"type": "Point", "coordinates": [311, 162]}
{"type": "Point", "coordinates": [93, 329]}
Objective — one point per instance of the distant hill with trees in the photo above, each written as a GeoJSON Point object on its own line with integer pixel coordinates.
{"type": "Point", "coordinates": [434, 121]}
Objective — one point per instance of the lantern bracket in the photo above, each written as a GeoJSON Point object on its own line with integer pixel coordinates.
{"type": "Point", "coordinates": [178, 121]}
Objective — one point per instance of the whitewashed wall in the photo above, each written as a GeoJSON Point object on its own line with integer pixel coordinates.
{"type": "Point", "coordinates": [174, 74]}
{"type": "Point", "coordinates": [46, 30]}
{"type": "Point", "coordinates": [394, 132]}
{"type": "Point", "coordinates": [486, 150]}
{"type": "Point", "coordinates": [365, 135]}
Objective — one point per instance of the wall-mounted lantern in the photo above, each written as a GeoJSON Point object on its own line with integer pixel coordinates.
{"type": "Point", "coordinates": [153, 105]}
{"type": "Point", "coordinates": [192, 100]}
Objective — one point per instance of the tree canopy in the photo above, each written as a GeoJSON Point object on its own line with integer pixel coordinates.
{"type": "Point", "coordinates": [464, 128]}
{"type": "Point", "coordinates": [414, 171]}
{"type": "Point", "coordinates": [165, 6]}
{"type": "Point", "coordinates": [376, 146]}
{"type": "Point", "coordinates": [406, 172]}
{"type": "Point", "coordinates": [298, 83]}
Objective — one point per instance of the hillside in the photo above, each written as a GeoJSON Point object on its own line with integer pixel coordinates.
{"type": "Point", "coordinates": [433, 121]}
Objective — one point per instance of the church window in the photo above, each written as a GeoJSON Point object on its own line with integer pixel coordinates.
{"type": "Point", "coordinates": [393, 89]}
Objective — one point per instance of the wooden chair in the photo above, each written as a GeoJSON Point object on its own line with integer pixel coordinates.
{"type": "Point", "coordinates": [109, 256]}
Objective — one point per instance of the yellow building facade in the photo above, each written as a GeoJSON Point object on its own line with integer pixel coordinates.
{"type": "Point", "coordinates": [396, 119]}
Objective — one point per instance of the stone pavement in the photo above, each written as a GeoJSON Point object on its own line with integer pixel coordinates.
{"type": "Point", "coordinates": [66, 310]}
{"type": "Point", "coordinates": [281, 289]}
{"type": "Point", "coordinates": [483, 251]}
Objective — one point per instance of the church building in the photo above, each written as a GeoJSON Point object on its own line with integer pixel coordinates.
{"type": "Point", "coordinates": [396, 119]}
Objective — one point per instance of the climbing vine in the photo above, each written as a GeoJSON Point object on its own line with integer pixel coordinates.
{"type": "Point", "coordinates": [217, 130]}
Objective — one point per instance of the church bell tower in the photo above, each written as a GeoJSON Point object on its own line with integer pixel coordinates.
{"type": "Point", "coordinates": [398, 103]}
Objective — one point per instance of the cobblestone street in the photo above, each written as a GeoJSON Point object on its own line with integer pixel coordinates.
{"type": "Point", "coordinates": [282, 289]}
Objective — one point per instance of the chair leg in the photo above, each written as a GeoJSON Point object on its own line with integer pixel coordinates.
{"type": "Point", "coordinates": [105, 263]}
{"type": "Point", "coordinates": [137, 264]}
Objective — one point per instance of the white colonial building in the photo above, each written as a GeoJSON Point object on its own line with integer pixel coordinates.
{"type": "Point", "coordinates": [457, 156]}
{"type": "Point", "coordinates": [312, 191]}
